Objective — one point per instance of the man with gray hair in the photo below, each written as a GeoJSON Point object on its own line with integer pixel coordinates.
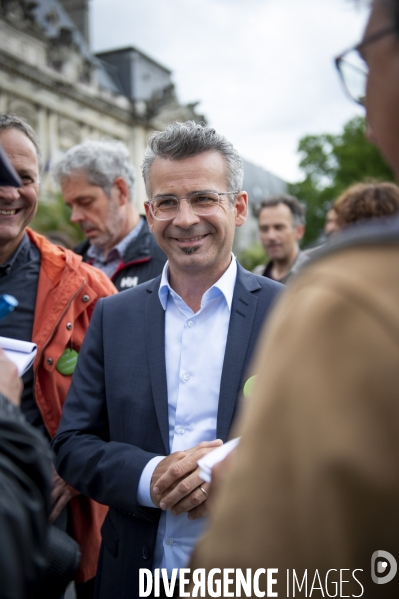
{"type": "Point", "coordinates": [158, 383]}
{"type": "Point", "coordinates": [281, 221]}
{"type": "Point", "coordinates": [98, 179]}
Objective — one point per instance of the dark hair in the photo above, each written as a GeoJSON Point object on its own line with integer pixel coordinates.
{"type": "Point", "coordinates": [366, 200]}
{"type": "Point", "coordinates": [298, 210]}
{"type": "Point", "coordinates": [11, 121]}
{"type": "Point", "coordinates": [392, 8]}
{"type": "Point", "coordinates": [184, 140]}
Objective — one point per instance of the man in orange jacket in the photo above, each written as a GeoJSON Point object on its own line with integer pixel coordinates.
{"type": "Point", "coordinates": [57, 294]}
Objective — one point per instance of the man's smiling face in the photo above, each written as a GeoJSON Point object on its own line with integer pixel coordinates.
{"type": "Point", "coordinates": [194, 243]}
{"type": "Point", "coordinates": [18, 206]}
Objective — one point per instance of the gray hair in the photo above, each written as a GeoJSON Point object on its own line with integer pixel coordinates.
{"type": "Point", "coordinates": [298, 210]}
{"type": "Point", "coordinates": [185, 140]}
{"type": "Point", "coordinates": [101, 161]}
{"type": "Point", "coordinates": [12, 121]}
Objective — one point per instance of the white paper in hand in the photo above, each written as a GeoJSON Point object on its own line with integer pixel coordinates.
{"type": "Point", "coordinates": [214, 457]}
{"type": "Point", "coordinates": [22, 353]}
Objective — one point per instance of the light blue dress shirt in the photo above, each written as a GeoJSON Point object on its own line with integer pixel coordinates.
{"type": "Point", "coordinates": [195, 345]}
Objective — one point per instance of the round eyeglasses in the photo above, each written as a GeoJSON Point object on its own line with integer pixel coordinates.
{"type": "Point", "coordinates": [202, 203]}
{"type": "Point", "coordinates": [354, 70]}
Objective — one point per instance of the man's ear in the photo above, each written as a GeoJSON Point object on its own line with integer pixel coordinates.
{"type": "Point", "coordinates": [122, 191]}
{"type": "Point", "coordinates": [300, 232]}
{"type": "Point", "coordinates": [150, 218]}
{"type": "Point", "coordinates": [241, 208]}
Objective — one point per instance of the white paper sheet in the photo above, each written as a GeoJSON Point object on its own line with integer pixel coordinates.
{"type": "Point", "coordinates": [22, 353]}
{"type": "Point", "coordinates": [214, 457]}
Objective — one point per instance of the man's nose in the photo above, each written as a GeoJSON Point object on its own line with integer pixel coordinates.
{"type": "Point", "coordinates": [185, 216]}
{"type": "Point", "coordinates": [77, 215]}
{"type": "Point", "coordinates": [9, 193]}
{"type": "Point", "coordinates": [271, 235]}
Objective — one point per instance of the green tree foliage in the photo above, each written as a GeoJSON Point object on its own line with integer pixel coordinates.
{"type": "Point", "coordinates": [252, 256]}
{"type": "Point", "coordinates": [330, 164]}
{"type": "Point", "coordinates": [53, 216]}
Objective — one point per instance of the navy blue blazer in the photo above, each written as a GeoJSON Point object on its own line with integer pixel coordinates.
{"type": "Point", "coordinates": [115, 418]}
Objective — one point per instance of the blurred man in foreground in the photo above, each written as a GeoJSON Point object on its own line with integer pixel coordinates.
{"type": "Point", "coordinates": [98, 181]}
{"type": "Point", "coordinates": [314, 484]}
{"type": "Point", "coordinates": [25, 482]}
{"type": "Point", "coordinates": [281, 222]}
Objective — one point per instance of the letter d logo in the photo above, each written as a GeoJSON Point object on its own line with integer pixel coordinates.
{"type": "Point", "coordinates": [383, 562]}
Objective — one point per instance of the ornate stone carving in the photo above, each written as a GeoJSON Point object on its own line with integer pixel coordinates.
{"type": "Point", "coordinates": [24, 110]}
{"type": "Point", "coordinates": [68, 133]}
{"type": "Point", "coordinates": [19, 12]}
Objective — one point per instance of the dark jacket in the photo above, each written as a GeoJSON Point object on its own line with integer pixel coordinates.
{"type": "Point", "coordinates": [115, 419]}
{"type": "Point", "coordinates": [143, 260]}
{"type": "Point", "coordinates": [25, 482]}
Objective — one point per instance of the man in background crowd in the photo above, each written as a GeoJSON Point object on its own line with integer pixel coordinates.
{"type": "Point", "coordinates": [97, 179]}
{"type": "Point", "coordinates": [281, 222]}
{"type": "Point", "coordinates": [365, 201]}
{"type": "Point", "coordinates": [320, 437]}
{"type": "Point", "coordinates": [330, 224]}
{"type": "Point", "coordinates": [56, 294]}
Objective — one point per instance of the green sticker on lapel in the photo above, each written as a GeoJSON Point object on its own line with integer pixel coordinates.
{"type": "Point", "coordinates": [67, 362]}
{"type": "Point", "coordinates": [249, 385]}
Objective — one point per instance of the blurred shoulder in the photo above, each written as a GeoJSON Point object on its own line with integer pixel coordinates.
{"type": "Point", "coordinates": [367, 250]}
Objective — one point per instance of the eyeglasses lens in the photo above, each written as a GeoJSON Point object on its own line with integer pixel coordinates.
{"type": "Point", "coordinates": [354, 73]}
{"type": "Point", "coordinates": [201, 204]}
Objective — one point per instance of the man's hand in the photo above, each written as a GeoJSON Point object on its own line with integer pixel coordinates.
{"type": "Point", "coordinates": [10, 384]}
{"type": "Point", "coordinates": [60, 495]}
{"type": "Point", "coordinates": [176, 484]}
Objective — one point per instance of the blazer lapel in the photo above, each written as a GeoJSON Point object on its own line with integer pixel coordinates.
{"type": "Point", "coordinates": [243, 309]}
{"type": "Point", "coordinates": [155, 344]}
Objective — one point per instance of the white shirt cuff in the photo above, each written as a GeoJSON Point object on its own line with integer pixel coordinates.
{"type": "Point", "coordinates": [143, 490]}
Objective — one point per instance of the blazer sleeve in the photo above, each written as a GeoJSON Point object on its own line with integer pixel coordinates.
{"type": "Point", "coordinates": [104, 470]}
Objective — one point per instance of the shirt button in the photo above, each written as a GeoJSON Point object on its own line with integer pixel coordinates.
{"type": "Point", "coordinates": [49, 361]}
{"type": "Point", "coordinates": [180, 430]}
{"type": "Point", "coordinates": [186, 377]}
{"type": "Point", "coordinates": [85, 298]}
{"type": "Point", "coordinates": [145, 552]}
{"type": "Point", "coordinates": [170, 542]}
{"type": "Point", "coordinates": [69, 326]}
{"type": "Point", "coordinates": [190, 323]}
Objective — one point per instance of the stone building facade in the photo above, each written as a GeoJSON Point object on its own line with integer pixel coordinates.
{"type": "Point", "coordinates": [49, 76]}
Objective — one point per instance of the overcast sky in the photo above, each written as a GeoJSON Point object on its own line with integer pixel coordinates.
{"type": "Point", "coordinates": [262, 69]}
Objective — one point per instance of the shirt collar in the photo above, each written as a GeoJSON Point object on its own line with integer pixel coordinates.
{"type": "Point", "coordinates": [224, 285]}
{"type": "Point", "coordinates": [119, 249]}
